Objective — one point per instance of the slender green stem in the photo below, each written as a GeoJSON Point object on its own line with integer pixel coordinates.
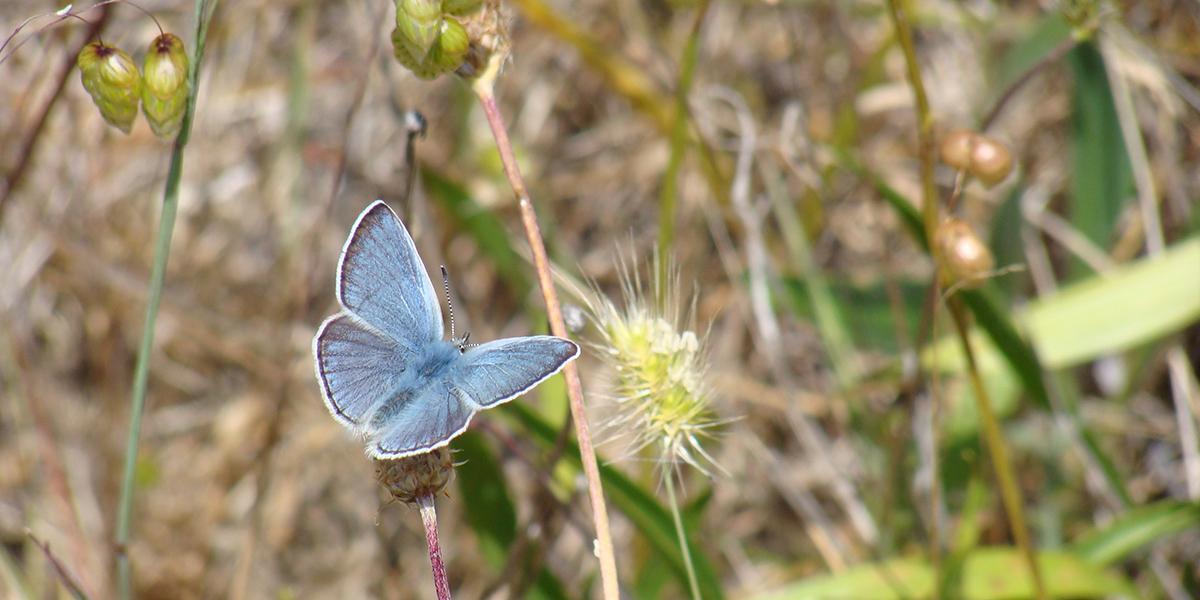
{"type": "Point", "coordinates": [668, 195]}
{"type": "Point", "coordinates": [679, 532]}
{"type": "Point", "coordinates": [929, 212]}
{"type": "Point", "coordinates": [1010, 493]}
{"type": "Point", "coordinates": [162, 249]}
{"type": "Point", "coordinates": [929, 204]}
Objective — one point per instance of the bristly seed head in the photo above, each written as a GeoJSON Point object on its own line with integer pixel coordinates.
{"type": "Point", "coordinates": [662, 396]}
{"type": "Point", "coordinates": [408, 479]}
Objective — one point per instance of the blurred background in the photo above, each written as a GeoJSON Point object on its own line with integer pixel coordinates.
{"type": "Point", "coordinates": [797, 184]}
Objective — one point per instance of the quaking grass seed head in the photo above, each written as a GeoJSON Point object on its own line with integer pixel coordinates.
{"type": "Point", "coordinates": [165, 85]}
{"type": "Point", "coordinates": [412, 477]}
{"type": "Point", "coordinates": [435, 37]}
{"type": "Point", "coordinates": [965, 260]}
{"type": "Point", "coordinates": [113, 81]}
{"type": "Point", "coordinates": [663, 400]}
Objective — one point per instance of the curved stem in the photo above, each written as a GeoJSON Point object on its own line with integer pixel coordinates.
{"type": "Point", "coordinates": [483, 87]}
{"type": "Point", "coordinates": [429, 519]}
{"type": "Point", "coordinates": [162, 250]}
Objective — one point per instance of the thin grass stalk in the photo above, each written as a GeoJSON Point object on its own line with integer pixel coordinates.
{"type": "Point", "coordinates": [929, 212]}
{"type": "Point", "coordinates": [668, 198]}
{"type": "Point", "coordinates": [1010, 494]}
{"type": "Point", "coordinates": [681, 534]}
{"type": "Point", "coordinates": [203, 14]}
{"type": "Point", "coordinates": [484, 88]}
{"type": "Point", "coordinates": [429, 520]}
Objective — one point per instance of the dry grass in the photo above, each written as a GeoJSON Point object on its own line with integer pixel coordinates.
{"type": "Point", "coordinates": [250, 490]}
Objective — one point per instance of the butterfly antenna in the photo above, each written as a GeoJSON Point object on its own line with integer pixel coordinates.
{"type": "Point", "coordinates": [449, 304]}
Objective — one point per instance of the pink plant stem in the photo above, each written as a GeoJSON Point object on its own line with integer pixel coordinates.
{"type": "Point", "coordinates": [429, 518]}
{"type": "Point", "coordinates": [587, 454]}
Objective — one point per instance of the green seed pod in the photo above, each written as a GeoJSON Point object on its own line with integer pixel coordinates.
{"type": "Point", "coordinates": [164, 85]}
{"type": "Point", "coordinates": [418, 26]}
{"type": "Point", "coordinates": [461, 8]}
{"type": "Point", "coordinates": [112, 79]}
{"type": "Point", "coordinates": [446, 54]}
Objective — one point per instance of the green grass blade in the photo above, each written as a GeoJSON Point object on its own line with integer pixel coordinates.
{"type": "Point", "coordinates": [1136, 528]}
{"type": "Point", "coordinates": [483, 227]}
{"type": "Point", "coordinates": [1101, 179]}
{"type": "Point", "coordinates": [1138, 303]}
{"type": "Point", "coordinates": [649, 516]}
{"type": "Point", "coordinates": [490, 510]}
{"type": "Point", "coordinates": [996, 573]}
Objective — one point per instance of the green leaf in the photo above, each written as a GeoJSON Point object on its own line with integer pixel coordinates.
{"type": "Point", "coordinates": [646, 514]}
{"type": "Point", "coordinates": [1133, 305]}
{"type": "Point", "coordinates": [483, 227]}
{"type": "Point", "coordinates": [1136, 528]}
{"type": "Point", "coordinates": [1101, 179]}
{"type": "Point", "coordinates": [490, 510]}
{"type": "Point", "coordinates": [996, 573]}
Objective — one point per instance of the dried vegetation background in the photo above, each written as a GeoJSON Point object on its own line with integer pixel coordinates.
{"type": "Point", "coordinates": [249, 490]}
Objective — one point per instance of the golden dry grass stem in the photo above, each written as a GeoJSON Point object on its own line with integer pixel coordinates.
{"type": "Point", "coordinates": [1182, 384]}
{"type": "Point", "coordinates": [668, 195]}
{"type": "Point", "coordinates": [630, 82]}
{"type": "Point", "coordinates": [484, 88]}
{"type": "Point", "coordinates": [997, 447]}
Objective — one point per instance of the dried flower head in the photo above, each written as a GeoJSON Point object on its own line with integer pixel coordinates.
{"type": "Point", "coordinates": [662, 396]}
{"type": "Point", "coordinates": [165, 86]}
{"type": "Point", "coordinates": [112, 79]}
{"type": "Point", "coordinates": [413, 477]}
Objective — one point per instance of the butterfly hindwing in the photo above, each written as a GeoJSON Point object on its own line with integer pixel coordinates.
{"type": "Point", "coordinates": [382, 280]}
{"type": "Point", "coordinates": [426, 419]}
{"type": "Point", "coordinates": [496, 372]}
{"type": "Point", "coordinates": [356, 367]}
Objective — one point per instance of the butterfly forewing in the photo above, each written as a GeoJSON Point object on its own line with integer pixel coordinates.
{"type": "Point", "coordinates": [499, 371]}
{"type": "Point", "coordinates": [356, 366]}
{"type": "Point", "coordinates": [382, 280]}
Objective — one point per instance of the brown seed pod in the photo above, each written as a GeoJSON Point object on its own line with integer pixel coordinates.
{"type": "Point", "coordinates": [991, 161]}
{"type": "Point", "coordinates": [965, 260]}
{"type": "Point", "coordinates": [956, 148]}
{"type": "Point", "coordinates": [412, 477]}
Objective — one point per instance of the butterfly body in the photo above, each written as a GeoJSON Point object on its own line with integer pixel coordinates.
{"type": "Point", "coordinates": [385, 370]}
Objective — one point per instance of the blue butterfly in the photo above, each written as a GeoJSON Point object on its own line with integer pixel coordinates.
{"type": "Point", "coordinates": [385, 370]}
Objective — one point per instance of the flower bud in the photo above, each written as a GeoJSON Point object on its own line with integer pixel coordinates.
{"type": "Point", "coordinates": [412, 477]}
{"type": "Point", "coordinates": [991, 161]}
{"type": "Point", "coordinates": [165, 85]}
{"type": "Point", "coordinates": [112, 79]}
{"type": "Point", "coordinates": [965, 260]}
{"type": "Point", "coordinates": [956, 148]}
